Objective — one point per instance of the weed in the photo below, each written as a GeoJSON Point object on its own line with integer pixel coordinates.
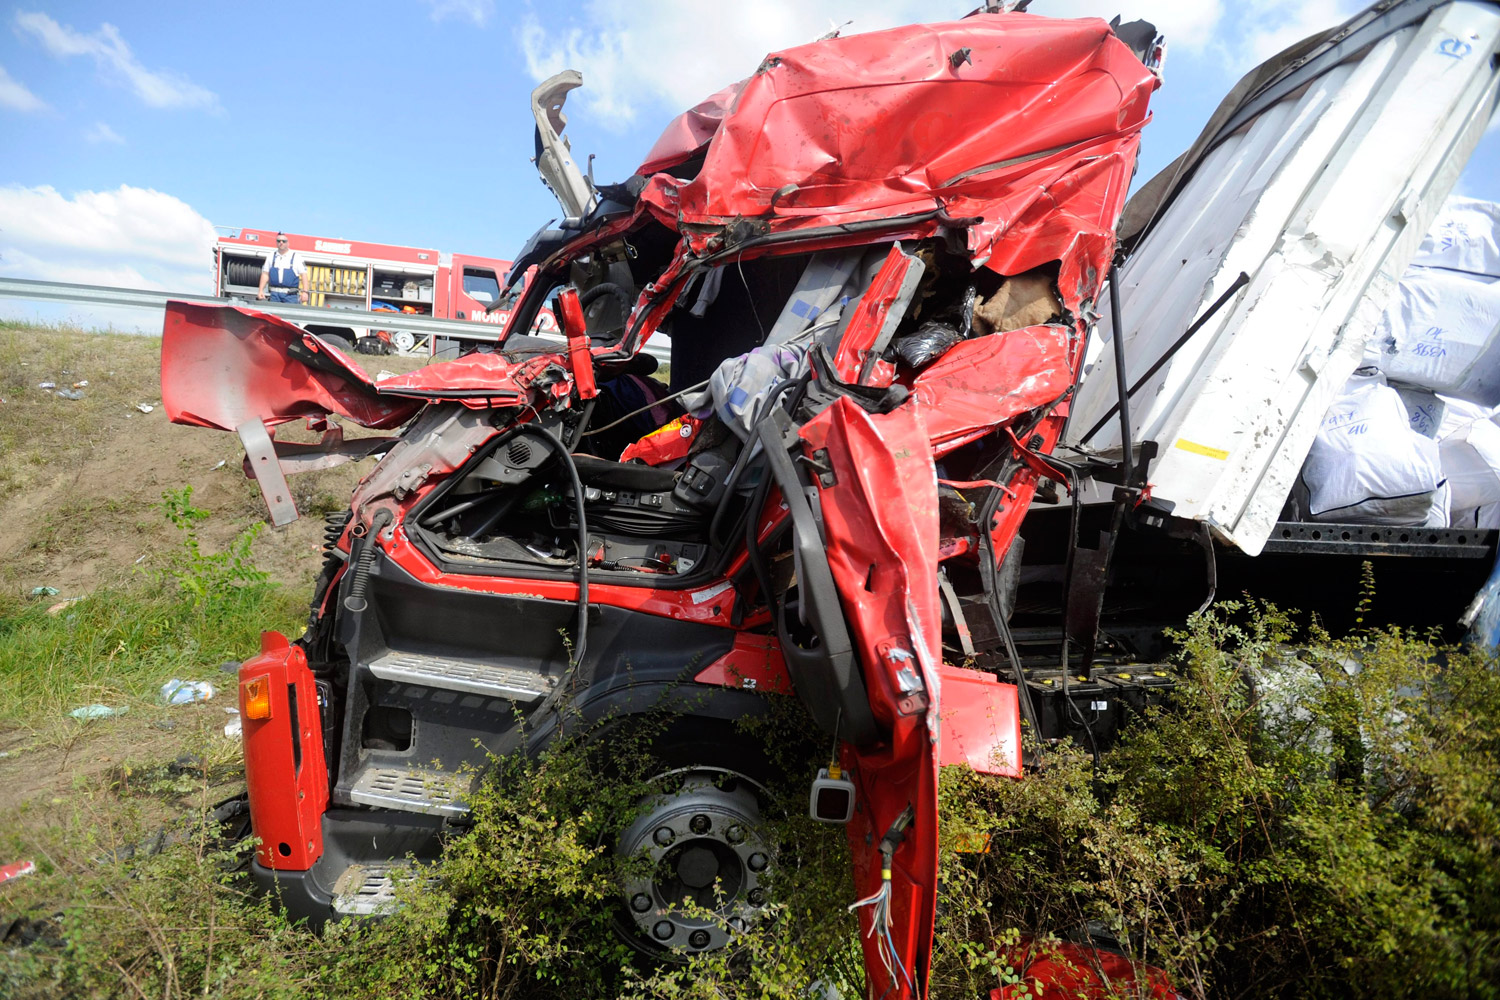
{"type": "Point", "coordinates": [207, 576]}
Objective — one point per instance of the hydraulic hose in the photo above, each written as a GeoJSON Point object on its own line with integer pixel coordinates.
{"type": "Point", "coordinates": [356, 600]}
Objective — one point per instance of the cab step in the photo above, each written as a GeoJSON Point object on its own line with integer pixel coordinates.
{"type": "Point", "coordinates": [411, 789]}
{"type": "Point", "coordinates": [364, 890]}
{"type": "Point", "coordinates": [470, 676]}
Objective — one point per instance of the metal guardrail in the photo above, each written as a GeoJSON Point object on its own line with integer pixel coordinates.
{"type": "Point", "coordinates": [103, 295]}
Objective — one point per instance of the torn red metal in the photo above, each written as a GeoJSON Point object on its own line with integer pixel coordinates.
{"type": "Point", "coordinates": [912, 120]}
{"type": "Point", "coordinates": [1080, 972]}
{"type": "Point", "coordinates": [790, 531]}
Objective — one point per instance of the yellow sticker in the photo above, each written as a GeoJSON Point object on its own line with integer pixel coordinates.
{"type": "Point", "coordinates": [1201, 449]}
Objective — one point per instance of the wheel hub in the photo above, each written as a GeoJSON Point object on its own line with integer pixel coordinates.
{"type": "Point", "coordinates": [705, 862]}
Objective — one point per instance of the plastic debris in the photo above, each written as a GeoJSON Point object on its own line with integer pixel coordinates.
{"type": "Point", "coordinates": [180, 692]}
{"type": "Point", "coordinates": [16, 870]}
{"type": "Point", "coordinates": [926, 343]}
{"type": "Point", "coordinates": [44, 591]}
{"type": "Point", "coordinates": [222, 462]}
{"type": "Point", "coordinates": [70, 393]}
{"type": "Point", "coordinates": [97, 711]}
{"type": "Point", "coordinates": [234, 728]}
{"type": "Point", "coordinates": [144, 407]}
{"type": "Point", "coordinates": [81, 385]}
{"type": "Point", "coordinates": [62, 604]}
{"type": "Point", "coordinates": [382, 375]}
{"type": "Point", "coordinates": [46, 385]}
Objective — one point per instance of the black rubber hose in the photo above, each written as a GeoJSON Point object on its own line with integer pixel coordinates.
{"type": "Point", "coordinates": [356, 600]}
{"type": "Point", "coordinates": [589, 297]}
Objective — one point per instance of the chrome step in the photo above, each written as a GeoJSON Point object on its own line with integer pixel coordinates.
{"type": "Point", "coordinates": [411, 789]}
{"type": "Point", "coordinates": [453, 674]}
{"type": "Point", "coordinates": [367, 889]}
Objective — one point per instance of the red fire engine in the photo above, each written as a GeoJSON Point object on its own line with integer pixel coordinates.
{"type": "Point", "coordinates": [354, 277]}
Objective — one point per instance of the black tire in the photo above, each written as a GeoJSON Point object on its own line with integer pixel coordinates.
{"type": "Point", "coordinates": [340, 340]}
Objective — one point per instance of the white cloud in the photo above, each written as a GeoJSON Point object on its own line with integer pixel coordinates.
{"type": "Point", "coordinates": [156, 88]}
{"type": "Point", "coordinates": [476, 11]}
{"type": "Point", "coordinates": [1188, 24]}
{"type": "Point", "coordinates": [101, 132]}
{"type": "Point", "coordinates": [1272, 25]}
{"type": "Point", "coordinates": [15, 96]}
{"type": "Point", "coordinates": [128, 236]}
{"type": "Point", "coordinates": [670, 54]}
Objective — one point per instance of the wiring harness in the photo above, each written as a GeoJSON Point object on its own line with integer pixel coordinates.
{"type": "Point", "coordinates": [880, 902]}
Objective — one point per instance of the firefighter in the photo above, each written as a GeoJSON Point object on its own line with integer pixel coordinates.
{"type": "Point", "coordinates": [283, 272]}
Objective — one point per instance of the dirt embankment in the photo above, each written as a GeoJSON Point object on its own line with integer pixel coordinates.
{"type": "Point", "coordinates": [80, 478]}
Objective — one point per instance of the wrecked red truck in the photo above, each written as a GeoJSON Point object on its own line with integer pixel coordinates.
{"type": "Point", "coordinates": [881, 261]}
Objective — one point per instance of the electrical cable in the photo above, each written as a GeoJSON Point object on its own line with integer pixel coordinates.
{"type": "Point", "coordinates": [643, 409]}
{"type": "Point", "coordinates": [880, 903]}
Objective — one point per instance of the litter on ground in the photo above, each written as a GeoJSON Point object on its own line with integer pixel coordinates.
{"type": "Point", "coordinates": [97, 711]}
{"type": "Point", "coordinates": [180, 692]}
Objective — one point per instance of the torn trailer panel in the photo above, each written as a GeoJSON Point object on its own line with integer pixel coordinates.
{"type": "Point", "coordinates": [1281, 237]}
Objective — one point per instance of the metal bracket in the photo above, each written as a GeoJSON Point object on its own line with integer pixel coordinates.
{"type": "Point", "coordinates": [260, 453]}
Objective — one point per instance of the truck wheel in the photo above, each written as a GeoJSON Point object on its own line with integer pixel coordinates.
{"type": "Point", "coordinates": [706, 858]}
{"type": "Point", "coordinates": [701, 837]}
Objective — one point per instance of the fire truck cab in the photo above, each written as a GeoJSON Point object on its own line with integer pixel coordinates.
{"type": "Point", "coordinates": [348, 276]}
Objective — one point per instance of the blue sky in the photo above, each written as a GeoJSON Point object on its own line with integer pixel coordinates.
{"type": "Point", "coordinates": [127, 131]}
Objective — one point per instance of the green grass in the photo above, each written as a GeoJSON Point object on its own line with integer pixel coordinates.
{"type": "Point", "coordinates": [120, 644]}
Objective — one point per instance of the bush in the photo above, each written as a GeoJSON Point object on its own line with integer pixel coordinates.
{"type": "Point", "coordinates": [1319, 821]}
{"type": "Point", "coordinates": [1313, 823]}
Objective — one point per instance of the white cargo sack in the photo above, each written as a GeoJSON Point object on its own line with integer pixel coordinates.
{"type": "Point", "coordinates": [1465, 236]}
{"type": "Point", "coordinates": [1441, 328]}
{"type": "Point", "coordinates": [1367, 466]}
{"type": "Point", "coordinates": [1440, 333]}
{"type": "Point", "coordinates": [1469, 452]}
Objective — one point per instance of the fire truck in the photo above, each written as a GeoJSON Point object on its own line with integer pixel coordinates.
{"type": "Point", "coordinates": [351, 277]}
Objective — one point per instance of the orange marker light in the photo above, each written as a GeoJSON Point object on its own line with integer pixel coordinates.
{"type": "Point", "coordinates": [255, 694]}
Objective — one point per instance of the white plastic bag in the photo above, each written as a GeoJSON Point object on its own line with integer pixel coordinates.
{"type": "Point", "coordinates": [1366, 465]}
{"type": "Point", "coordinates": [180, 692]}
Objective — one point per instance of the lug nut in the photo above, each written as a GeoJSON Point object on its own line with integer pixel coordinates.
{"type": "Point", "coordinates": [663, 836]}
{"type": "Point", "coordinates": [758, 862]}
{"type": "Point", "coordinates": [663, 930]}
{"type": "Point", "coordinates": [640, 902]}
{"type": "Point", "coordinates": [698, 939]}
{"type": "Point", "coordinates": [757, 897]}
{"type": "Point", "coordinates": [735, 834]}
{"type": "Point", "coordinates": [700, 824]}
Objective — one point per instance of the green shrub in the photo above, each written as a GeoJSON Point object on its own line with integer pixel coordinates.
{"type": "Point", "coordinates": [1317, 821]}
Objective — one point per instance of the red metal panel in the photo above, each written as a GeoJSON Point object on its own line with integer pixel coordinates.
{"type": "Point", "coordinates": [870, 316]}
{"type": "Point", "coordinates": [1073, 971]}
{"type": "Point", "coordinates": [881, 524]}
{"type": "Point", "coordinates": [754, 663]}
{"type": "Point", "coordinates": [981, 723]}
{"type": "Point", "coordinates": [981, 383]}
{"type": "Point", "coordinates": [287, 798]}
{"type": "Point", "coordinates": [223, 365]}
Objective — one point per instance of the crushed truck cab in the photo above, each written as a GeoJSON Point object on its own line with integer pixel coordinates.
{"type": "Point", "coordinates": [879, 261]}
